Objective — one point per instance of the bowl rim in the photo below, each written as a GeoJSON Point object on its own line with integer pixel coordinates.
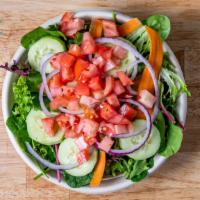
{"type": "Point", "coordinates": [105, 187]}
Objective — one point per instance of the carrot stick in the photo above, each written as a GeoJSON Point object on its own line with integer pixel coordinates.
{"type": "Point", "coordinates": [99, 170]}
{"type": "Point", "coordinates": [129, 27]}
{"type": "Point", "coordinates": [96, 28]}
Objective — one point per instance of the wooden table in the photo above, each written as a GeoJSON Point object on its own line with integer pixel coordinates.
{"type": "Point", "coordinates": [179, 178]}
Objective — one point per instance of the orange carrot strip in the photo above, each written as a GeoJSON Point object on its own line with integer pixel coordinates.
{"type": "Point", "coordinates": [129, 27]}
{"type": "Point", "coordinates": [96, 28]}
{"type": "Point", "coordinates": [99, 170]}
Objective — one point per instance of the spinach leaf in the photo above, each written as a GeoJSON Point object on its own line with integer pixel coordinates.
{"type": "Point", "coordinates": [174, 139]}
{"type": "Point", "coordinates": [77, 181]}
{"type": "Point", "coordinates": [33, 81]}
{"type": "Point", "coordinates": [160, 23]}
{"type": "Point", "coordinates": [33, 36]}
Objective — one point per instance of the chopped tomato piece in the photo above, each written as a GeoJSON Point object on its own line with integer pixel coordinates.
{"type": "Point", "coordinates": [88, 101]}
{"type": "Point", "coordinates": [75, 50]}
{"type": "Point", "coordinates": [146, 98]}
{"type": "Point", "coordinates": [109, 85]}
{"type": "Point", "coordinates": [106, 111]}
{"type": "Point", "coordinates": [104, 51]}
{"type": "Point", "coordinates": [95, 83]}
{"type": "Point", "coordinates": [58, 102]}
{"type": "Point", "coordinates": [119, 119]}
{"type": "Point", "coordinates": [127, 111]}
{"type": "Point", "coordinates": [83, 156]}
{"type": "Point", "coordinates": [118, 87]}
{"type": "Point", "coordinates": [99, 61]}
{"type": "Point", "coordinates": [73, 105]}
{"type": "Point", "coordinates": [70, 133]}
{"type": "Point", "coordinates": [109, 65]}
{"type": "Point", "coordinates": [119, 52]}
{"type": "Point", "coordinates": [110, 29]}
{"type": "Point", "coordinates": [89, 113]}
{"type": "Point", "coordinates": [125, 80]}
{"type": "Point", "coordinates": [63, 121]}
{"type": "Point", "coordinates": [91, 71]}
{"type": "Point", "coordinates": [67, 91]}
{"type": "Point", "coordinates": [67, 61]}
{"type": "Point", "coordinates": [82, 89]}
{"type": "Point", "coordinates": [96, 28]}
{"type": "Point", "coordinates": [55, 85]}
{"type": "Point", "coordinates": [81, 143]}
{"type": "Point", "coordinates": [88, 44]}
{"type": "Point", "coordinates": [107, 128]}
{"type": "Point", "coordinates": [113, 100]}
{"type": "Point", "coordinates": [119, 129]}
{"type": "Point", "coordinates": [79, 67]}
{"type": "Point", "coordinates": [98, 94]}
{"type": "Point", "coordinates": [91, 141]}
{"type": "Point", "coordinates": [106, 144]}
{"type": "Point", "coordinates": [55, 60]}
{"type": "Point", "coordinates": [50, 125]}
{"type": "Point", "coordinates": [67, 17]}
{"type": "Point", "coordinates": [117, 61]}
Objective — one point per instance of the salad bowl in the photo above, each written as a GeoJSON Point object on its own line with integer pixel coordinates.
{"type": "Point", "coordinates": [109, 184]}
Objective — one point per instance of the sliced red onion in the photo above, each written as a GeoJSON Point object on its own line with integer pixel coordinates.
{"type": "Point", "coordinates": [133, 50]}
{"type": "Point", "coordinates": [57, 162]}
{"type": "Point", "coordinates": [167, 114]}
{"type": "Point", "coordinates": [131, 90]}
{"type": "Point", "coordinates": [119, 152]}
{"type": "Point", "coordinates": [44, 85]}
{"type": "Point", "coordinates": [47, 163]}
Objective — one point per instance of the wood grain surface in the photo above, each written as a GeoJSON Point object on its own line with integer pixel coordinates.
{"type": "Point", "coordinates": [179, 178]}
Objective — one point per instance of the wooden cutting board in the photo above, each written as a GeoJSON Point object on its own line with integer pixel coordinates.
{"type": "Point", "coordinates": [179, 178]}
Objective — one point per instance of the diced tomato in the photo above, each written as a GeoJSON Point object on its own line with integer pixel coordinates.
{"type": "Point", "coordinates": [95, 83]}
{"type": "Point", "coordinates": [89, 113]}
{"type": "Point", "coordinates": [83, 156]}
{"type": "Point", "coordinates": [73, 120]}
{"type": "Point", "coordinates": [109, 65]}
{"type": "Point", "coordinates": [88, 127]}
{"type": "Point", "coordinates": [82, 89]}
{"type": "Point", "coordinates": [110, 29]}
{"type": "Point", "coordinates": [109, 85]}
{"type": "Point", "coordinates": [66, 72]}
{"type": "Point", "coordinates": [50, 125]}
{"type": "Point", "coordinates": [125, 80]}
{"type": "Point", "coordinates": [119, 119]}
{"type": "Point", "coordinates": [79, 67]}
{"type": "Point", "coordinates": [63, 121]}
{"type": "Point", "coordinates": [88, 44]}
{"type": "Point", "coordinates": [91, 141]}
{"type": "Point", "coordinates": [107, 128]}
{"type": "Point", "coordinates": [91, 71]}
{"type": "Point", "coordinates": [55, 85]}
{"type": "Point", "coordinates": [88, 101]}
{"type": "Point", "coordinates": [119, 52]}
{"type": "Point", "coordinates": [113, 100]}
{"type": "Point", "coordinates": [106, 144]}
{"type": "Point", "coordinates": [146, 98]}
{"type": "Point", "coordinates": [104, 51]}
{"type": "Point", "coordinates": [98, 94]}
{"type": "Point", "coordinates": [69, 133]}
{"type": "Point", "coordinates": [75, 50]}
{"type": "Point", "coordinates": [55, 61]}
{"type": "Point", "coordinates": [119, 129]}
{"type": "Point", "coordinates": [67, 17]}
{"type": "Point", "coordinates": [58, 102]}
{"type": "Point", "coordinates": [67, 91]}
{"type": "Point", "coordinates": [107, 111]}
{"type": "Point", "coordinates": [116, 60]}
{"type": "Point", "coordinates": [73, 105]}
{"type": "Point", "coordinates": [81, 143]}
{"type": "Point", "coordinates": [99, 61]}
{"type": "Point", "coordinates": [118, 87]}
{"type": "Point", "coordinates": [127, 111]}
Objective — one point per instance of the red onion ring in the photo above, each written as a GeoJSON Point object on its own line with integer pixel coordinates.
{"type": "Point", "coordinates": [119, 152]}
{"type": "Point", "coordinates": [131, 49]}
{"type": "Point", "coordinates": [131, 90]}
{"type": "Point", "coordinates": [47, 163]}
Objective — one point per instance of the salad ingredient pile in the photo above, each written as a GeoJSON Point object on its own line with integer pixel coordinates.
{"type": "Point", "coordinates": [97, 98]}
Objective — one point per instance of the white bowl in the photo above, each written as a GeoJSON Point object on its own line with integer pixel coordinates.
{"type": "Point", "coordinates": [110, 185]}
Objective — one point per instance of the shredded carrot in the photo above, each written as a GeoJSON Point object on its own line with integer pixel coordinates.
{"type": "Point", "coordinates": [96, 28]}
{"type": "Point", "coordinates": [155, 59]}
{"type": "Point", "coordinates": [99, 170]}
{"type": "Point", "coordinates": [129, 27]}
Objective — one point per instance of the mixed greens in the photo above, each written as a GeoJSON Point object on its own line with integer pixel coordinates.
{"type": "Point", "coordinates": [116, 69]}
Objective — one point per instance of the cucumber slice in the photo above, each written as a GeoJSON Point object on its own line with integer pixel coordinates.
{"type": "Point", "coordinates": [129, 59]}
{"type": "Point", "coordinates": [42, 47]}
{"type": "Point", "coordinates": [67, 153]}
{"type": "Point", "coordinates": [36, 130]}
{"type": "Point", "coordinates": [151, 146]}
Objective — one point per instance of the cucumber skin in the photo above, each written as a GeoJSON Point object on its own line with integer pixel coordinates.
{"type": "Point", "coordinates": [35, 53]}
{"type": "Point", "coordinates": [149, 149]}
{"type": "Point", "coordinates": [36, 131]}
